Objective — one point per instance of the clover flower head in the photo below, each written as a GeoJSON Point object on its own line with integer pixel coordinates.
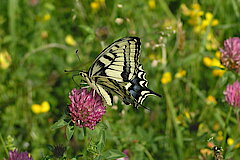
{"type": "Point", "coordinates": [15, 155]}
{"type": "Point", "coordinates": [232, 94]}
{"type": "Point", "coordinates": [86, 108]}
{"type": "Point", "coordinates": [230, 56]}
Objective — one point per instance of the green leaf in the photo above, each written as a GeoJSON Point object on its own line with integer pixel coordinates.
{"type": "Point", "coordinates": [60, 123]}
{"type": "Point", "coordinates": [47, 157]}
{"type": "Point", "coordinates": [113, 154]}
{"type": "Point", "coordinates": [50, 147]}
{"type": "Point", "coordinates": [87, 29]}
{"type": "Point", "coordinates": [69, 131]}
{"type": "Point", "coordinates": [102, 140]}
{"type": "Point", "coordinates": [102, 125]}
{"type": "Point", "coordinates": [99, 158]}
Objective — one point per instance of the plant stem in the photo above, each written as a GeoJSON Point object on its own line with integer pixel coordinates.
{"type": "Point", "coordinates": [179, 141]}
{"type": "Point", "coordinates": [148, 154]}
{"type": "Point", "coordinates": [225, 128]}
{"type": "Point", "coordinates": [238, 120]}
{"type": "Point", "coordinates": [85, 142]}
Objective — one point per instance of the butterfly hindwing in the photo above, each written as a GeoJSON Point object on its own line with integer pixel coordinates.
{"type": "Point", "coordinates": [138, 86]}
{"type": "Point", "coordinates": [105, 94]}
{"type": "Point", "coordinates": [134, 92]}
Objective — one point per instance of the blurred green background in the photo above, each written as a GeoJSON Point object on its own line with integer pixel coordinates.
{"type": "Point", "coordinates": [179, 52]}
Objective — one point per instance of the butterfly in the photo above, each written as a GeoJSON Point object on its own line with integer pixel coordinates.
{"type": "Point", "coordinates": [117, 70]}
{"type": "Point", "coordinates": [218, 153]}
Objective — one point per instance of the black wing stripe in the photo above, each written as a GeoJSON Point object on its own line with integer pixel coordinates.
{"type": "Point", "coordinates": [125, 49]}
{"type": "Point", "coordinates": [108, 57]}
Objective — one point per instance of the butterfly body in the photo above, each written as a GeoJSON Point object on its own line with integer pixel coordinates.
{"type": "Point", "coordinates": [117, 70]}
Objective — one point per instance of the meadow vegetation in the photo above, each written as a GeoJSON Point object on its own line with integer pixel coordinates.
{"type": "Point", "coordinates": [180, 52]}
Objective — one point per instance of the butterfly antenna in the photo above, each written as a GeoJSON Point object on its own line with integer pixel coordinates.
{"type": "Point", "coordinates": [77, 55]}
{"type": "Point", "coordinates": [72, 70]}
{"type": "Point", "coordinates": [78, 60]}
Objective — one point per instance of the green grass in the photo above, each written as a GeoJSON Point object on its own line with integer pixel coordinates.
{"type": "Point", "coordinates": [36, 74]}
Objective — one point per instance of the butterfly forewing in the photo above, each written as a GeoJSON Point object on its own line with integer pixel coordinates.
{"type": "Point", "coordinates": [119, 61]}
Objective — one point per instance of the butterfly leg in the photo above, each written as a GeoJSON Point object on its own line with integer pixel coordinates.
{"type": "Point", "coordinates": [83, 83]}
{"type": "Point", "coordinates": [74, 80]}
{"type": "Point", "coordinates": [86, 87]}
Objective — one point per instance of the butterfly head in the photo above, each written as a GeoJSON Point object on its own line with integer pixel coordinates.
{"type": "Point", "coordinates": [83, 74]}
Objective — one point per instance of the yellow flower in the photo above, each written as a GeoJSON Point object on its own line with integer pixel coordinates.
{"type": "Point", "coordinates": [201, 28]}
{"type": "Point", "coordinates": [197, 29]}
{"type": "Point", "coordinates": [186, 113]}
{"type": "Point", "coordinates": [70, 41]}
{"type": "Point", "coordinates": [167, 77]}
{"type": "Point", "coordinates": [230, 141]}
{"type": "Point", "coordinates": [185, 10]}
{"type": "Point", "coordinates": [211, 100]}
{"type": "Point", "coordinates": [216, 63]}
{"type": "Point", "coordinates": [46, 17]}
{"type": "Point", "coordinates": [45, 106]}
{"type": "Point", "coordinates": [196, 20]}
{"type": "Point", "coordinates": [95, 6]}
{"type": "Point", "coordinates": [220, 136]}
{"type": "Point", "coordinates": [101, 2]}
{"type": "Point", "coordinates": [218, 72]}
{"type": "Point", "coordinates": [36, 108]}
{"type": "Point", "coordinates": [181, 73]}
{"type": "Point", "coordinates": [218, 54]}
{"type": "Point", "coordinates": [196, 10]}
{"type": "Point", "coordinates": [207, 61]}
{"type": "Point", "coordinates": [195, 15]}
{"type": "Point", "coordinates": [237, 146]}
{"type": "Point", "coordinates": [196, 6]}
{"type": "Point", "coordinates": [212, 43]}
{"type": "Point", "coordinates": [209, 17]}
{"type": "Point", "coordinates": [151, 4]}
{"type": "Point", "coordinates": [5, 59]}
{"type": "Point", "coordinates": [215, 22]}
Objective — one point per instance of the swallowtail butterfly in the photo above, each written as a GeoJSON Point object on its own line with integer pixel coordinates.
{"type": "Point", "coordinates": [117, 70]}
